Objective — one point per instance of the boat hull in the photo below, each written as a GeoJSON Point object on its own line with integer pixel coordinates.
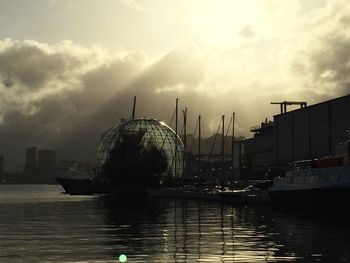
{"type": "Point", "coordinates": [318, 198]}
{"type": "Point", "coordinates": [76, 186]}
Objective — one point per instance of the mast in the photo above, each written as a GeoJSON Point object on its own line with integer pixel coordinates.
{"type": "Point", "coordinates": [176, 118]}
{"type": "Point", "coordinates": [223, 139]}
{"type": "Point", "coordinates": [133, 108]}
{"type": "Point", "coordinates": [185, 140]}
{"type": "Point", "coordinates": [199, 143]}
{"type": "Point", "coordinates": [233, 143]}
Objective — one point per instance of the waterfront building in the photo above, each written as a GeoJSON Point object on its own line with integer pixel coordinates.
{"type": "Point", "coordinates": [257, 155]}
{"type": "Point", "coordinates": [309, 132]}
{"type": "Point", "coordinates": [46, 161]}
{"type": "Point", "coordinates": [31, 160]}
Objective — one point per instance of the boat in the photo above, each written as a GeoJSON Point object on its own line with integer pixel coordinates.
{"type": "Point", "coordinates": [256, 193]}
{"type": "Point", "coordinates": [317, 183]}
{"type": "Point", "coordinates": [74, 181]}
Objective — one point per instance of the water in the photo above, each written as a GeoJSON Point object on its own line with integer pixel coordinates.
{"type": "Point", "coordinates": [39, 223]}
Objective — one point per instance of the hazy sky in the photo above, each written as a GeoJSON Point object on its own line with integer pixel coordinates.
{"type": "Point", "coordinates": [69, 69]}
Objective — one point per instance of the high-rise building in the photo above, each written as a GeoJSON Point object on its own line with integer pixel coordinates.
{"type": "Point", "coordinates": [1, 165]}
{"type": "Point", "coordinates": [47, 160]}
{"type": "Point", "coordinates": [30, 166]}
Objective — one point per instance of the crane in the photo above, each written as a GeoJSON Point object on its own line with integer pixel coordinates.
{"type": "Point", "coordinates": [284, 104]}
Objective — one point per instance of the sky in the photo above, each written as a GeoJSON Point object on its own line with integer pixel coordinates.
{"type": "Point", "coordinates": [69, 69]}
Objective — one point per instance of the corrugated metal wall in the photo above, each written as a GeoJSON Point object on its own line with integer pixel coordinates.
{"type": "Point", "coordinates": [311, 132]}
{"type": "Point", "coordinates": [319, 130]}
{"type": "Point", "coordinates": [340, 121]}
{"type": "Point", "coordinates": [301, 130]}
{"type": "Point", "coordinates": [283, 137]}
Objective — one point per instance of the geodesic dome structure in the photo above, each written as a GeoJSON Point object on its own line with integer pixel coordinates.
{"type": "Point", "coordinates": [144, 131]}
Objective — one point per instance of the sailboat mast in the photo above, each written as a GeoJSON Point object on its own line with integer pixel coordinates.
{"type": "Point", "coordinates": [133, 108]}
{"type": "Point", "coordinates": [185, 140]}
{"type": "Point", "coordinates": [199, 143]}
{"type": "Point", "coordinates": [176, 119]}
{"type": "Point", "coordinates": [223, 139]}
{"type": "Point", "coordinates": [233, 143]}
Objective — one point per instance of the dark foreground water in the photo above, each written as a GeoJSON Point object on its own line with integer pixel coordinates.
{"type": "Point", "coordinates": [40, 224]}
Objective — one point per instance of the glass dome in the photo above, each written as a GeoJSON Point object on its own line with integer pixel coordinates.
{"type": "Point", "coordinates": [126, 145]}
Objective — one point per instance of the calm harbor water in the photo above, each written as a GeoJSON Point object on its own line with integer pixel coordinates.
{"type": "Point", "coordinates": [39, 223]}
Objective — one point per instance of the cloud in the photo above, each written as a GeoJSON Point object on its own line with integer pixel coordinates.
{"type": "Point", "coordinates": [7, 83]}
{"type": "Point", "coordinates": [333, 68]}
{"type": "Point", "coordinates": [48, 92]}
{"type": "Point", "coordinates": [247, 32]}
{"type": "Point", "coordinates": [63, 96]}
{"type": "Point", "coordinates": [323, 64]}
{"type": "Point", "coordinates": [32, 66]}
{"type": "Point", "coordinates": [136, 6]}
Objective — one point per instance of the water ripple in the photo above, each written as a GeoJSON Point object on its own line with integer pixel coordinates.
{"type": "Point", "coordinates": [45, 225]}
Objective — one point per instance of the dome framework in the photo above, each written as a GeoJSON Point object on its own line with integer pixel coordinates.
{"type": "Point", "coordinates": [144, 132]}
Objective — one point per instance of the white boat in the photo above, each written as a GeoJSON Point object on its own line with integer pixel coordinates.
{"type": "Point", "coordinates": [253, 194]}
{"type": "Point", "coordinates": [73, 180]}
{"type": "Point", "coordinates": [317, 183]}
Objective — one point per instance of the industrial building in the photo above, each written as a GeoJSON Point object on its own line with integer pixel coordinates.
{"type": "Point", "coordinates": [257, 153]}
{"type": "Point", "coordinates": [311, 132]}
{"type": "Point", "coordinates": [306, 133]}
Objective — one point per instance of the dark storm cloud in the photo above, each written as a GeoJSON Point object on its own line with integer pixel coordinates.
{"type": "Point", "coordinates": [8, 83]}
{"type": "Point", "coordinates": [72, 119]}
{"type": "Point", "coordinates": [32, 114]}
{"type": "Point", "coordinates": [345, 20]}
{"type": "Point", "coordinates": [32, 66]}
{"type": "Point", "coordinates": [332, 61]}
{"type": "Point", "coordinates": [327, 59]}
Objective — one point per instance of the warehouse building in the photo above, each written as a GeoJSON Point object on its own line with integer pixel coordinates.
{"type": "Point", "coordinates": [258, 152]}
{"type": "Point", "coordinates": [306, 133]}
{"type": "Point", "coordinates": [311, 132]}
